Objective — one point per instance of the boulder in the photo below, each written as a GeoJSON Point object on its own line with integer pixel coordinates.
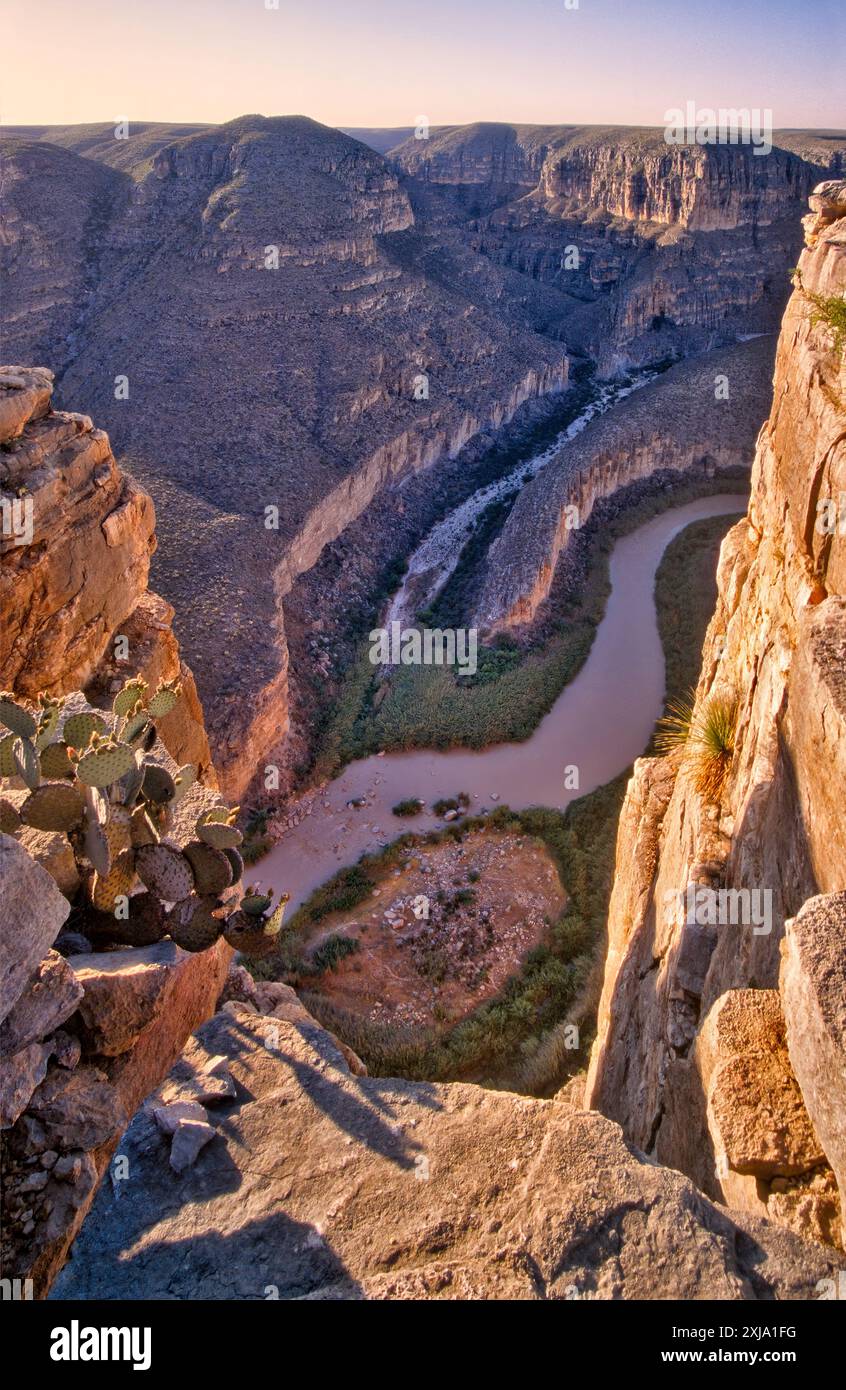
{"type": "Point", "coordinates": [33, 912]}
{"type": "Point", "coordinates": [121, 994]}
{"type": "Point", "coordinates": [189, 1139]}
{"type": "Point", "coordinates": [50, 997]}
{"type": "Point", "coordinates": [77, 1109]}
{"type": "Point", "coordinates": [325, 1185]}
{"type": "Point", "coordinates": [24, 395]}
{"type": "Point", "coordinates": [169, 1117]}
{"type": "Point", "coordinates": [756, 1114]}
{"type": "Point", "coordinates": [19, 1076]}
{"type": "Point", "coordinates": [813, 988]}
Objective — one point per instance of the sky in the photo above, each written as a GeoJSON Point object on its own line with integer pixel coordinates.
{"type": "Point", "coordinates": [386, 63]}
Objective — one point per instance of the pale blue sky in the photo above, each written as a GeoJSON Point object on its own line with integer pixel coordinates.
{"type": "Point", "coordinates": [378, 62]}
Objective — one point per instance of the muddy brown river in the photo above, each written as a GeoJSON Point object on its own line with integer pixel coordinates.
{"type": "Point", "coordinates": [599, 724]}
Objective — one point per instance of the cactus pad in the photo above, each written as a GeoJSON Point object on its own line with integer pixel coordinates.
{"type": "Point", "coordinates": [142, 829]}
{"type": "Point", "coordinates": [15, 717]}
{"type": "Point", "coordinates": [78, 728]}
{"type": "Point", "coordinates": [105, 763]}
{"type": "Point", "coordinates": [118, 882]}
{"type": "Point", "coordinates": [55, 761]}
{"type": "Point", "coordinates": [184, 780]}
{"type": "Point", "coordinates": [10, 821]}
{"type": "Point", "coordinates": [48, 720]}
{"type": "Point", "coordinates": [128, 698]}
{"type": "Point", "coordinates": [96, 846]}
{"type": "Point", "coordinates": [118, 830]}
{"type": "Point", "coordinates": [134, 726]}
{"type": "Point", "coordinates": [216, 827]}
{"type": "Point", "coordinates": [146, 924]}
{"type": "Point", "coordinates": [26, 762]}
{"type": "Point", "coordinates": [158, 785]}
{"type": "Point", "coordinates": [164, 699]}
{"type": "Point", "coordinates": [255, 936]}
{"type": "Point", "coordinates": [53, 806]}
{"type": "Point", "coordinates": [8, 766]}
{"type": "Point", "coordinates": [196, 923]}
{"type": "Point", "coordinates": [255, 904]}
{"type": "Point", "coordinates": [212, 869]}
{"type": "Point", "coordinates": [237, 864]}
{"type": "Point", "coordinates": [165, 871]}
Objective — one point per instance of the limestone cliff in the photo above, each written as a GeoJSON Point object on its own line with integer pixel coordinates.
{"type": "Point", "coordinates": [704, 1050]}
{"type": "Point", "coordinates": [643, 250]}
{"type": "Point", "coordinates": [84, 1034]}
{"type": "Point", "coordinates": [77, 539]}
{"type": "Point", "coordinates": [695, 419]}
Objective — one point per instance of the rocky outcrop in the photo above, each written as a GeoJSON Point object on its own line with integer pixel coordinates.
{"type": "Point", "coordinates": [813, 984]}
{"type": "Point", "coordinates": [84, 1035]}
{"type": "Point", "coordinates": [77, 538]}
{"type": "Point", "coordinates": [630, 174]}
{"type": "Point", "coordinates": [696, 927]}
{"type": "Point", "coordinates": [83, 1041]}
{"type": "Point", "coordinates": [695, 419]}
{"type": "Point", "coordinates": [320, 1184]}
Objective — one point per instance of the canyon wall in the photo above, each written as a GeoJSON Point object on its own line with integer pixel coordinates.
{"type": "Point", "coordinates": [696, 418]}
{"type": "Point", "coordinates": [721, 1045]}
{"type": "Point", "coordinates": [77, 539]}
{"type": "Point", "coordinates": [253, 315]}
{"type": "Point", "coordinates": [84, 1034]}
{"type": "Point", "coordinates": [644, 250]}
{"type": "Point", "coordinates": [276, 324]}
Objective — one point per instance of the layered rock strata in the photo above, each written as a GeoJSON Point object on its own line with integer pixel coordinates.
{"type": "Point", "coordinates": [269, 341]}
{"type": "Point", "coordinates": [695, 419]}
{"type": "Point", "coordinates": [78, 534]}
{"type": "Point", "coordinates": [762, 946]}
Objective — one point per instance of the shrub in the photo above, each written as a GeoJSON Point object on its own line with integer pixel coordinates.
{"type": "Point", "coordinates": [411, 806]}
{"type": "Point", "coordinates": [332, 951]}
{"type": "Point", "coordinates": [705, 739]}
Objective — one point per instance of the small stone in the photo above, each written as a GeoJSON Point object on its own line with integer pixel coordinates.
{"type": "Point", "coordinates": [168, 1117]}
{"type": "Point", "coordinates": [189, 1139]}
{"type": "Point", "coordinates": [68, 1168]}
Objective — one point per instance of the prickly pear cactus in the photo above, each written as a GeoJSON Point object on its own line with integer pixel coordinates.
{"type": "Point", "coordinates": [89, 777]}
{"type": "Point", "coordinates": [105, 762]}
{"type": "Point", "coordinates": [165, 871]}
{"type": "Point", "coordinates": [217, 827]}
{"type": "Point", "coordinates": [15, 717]}
{"type": "Point", "coordinates": [196, 923]}
{"type": "Point", "coordinates": [54, 806]}
{"type": "Point", "coordinates": [164, 699]}
{"type": "Point", "coordinates": [212, 869]}
{"type": "Point", "coordinates": [117, 883]}
{"type": "Point", "coordinates": [255, 934]}
{"type": "Point", "coordinates": [78, 728]}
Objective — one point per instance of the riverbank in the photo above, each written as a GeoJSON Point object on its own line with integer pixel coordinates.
{"type": "Point", "coordinates": [518, 679]}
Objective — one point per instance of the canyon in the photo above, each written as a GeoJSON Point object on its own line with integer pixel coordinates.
{"type": "Point", "coordinates": [262, 300]}
{"type": "Point", "coordinates": [703, 1153]}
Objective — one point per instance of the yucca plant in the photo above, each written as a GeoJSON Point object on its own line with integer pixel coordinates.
{"type": "Point", "coordinates": [706, 739]}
